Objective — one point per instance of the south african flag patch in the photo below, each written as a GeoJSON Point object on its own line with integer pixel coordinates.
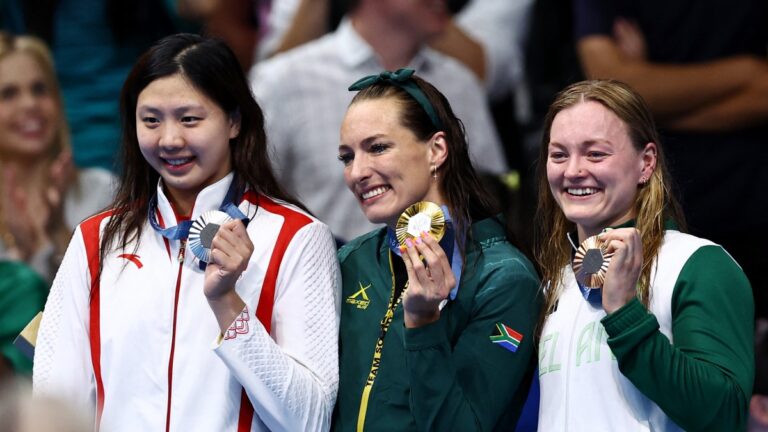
{"type": "Point", "coordinates": [506, 337]}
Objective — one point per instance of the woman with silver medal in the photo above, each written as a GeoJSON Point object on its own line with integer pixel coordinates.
{"type": "Point", "coordinates": [241, 333]}
{"type": "Point", "coordinates": [425, 299]}
{"type": "Point", "coordinates": [644, 327]}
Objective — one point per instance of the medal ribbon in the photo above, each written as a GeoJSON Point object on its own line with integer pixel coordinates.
{"type": "Point", "coordinates": [181, 231]}
{"type": "Point", "coordinates": [385, 324]}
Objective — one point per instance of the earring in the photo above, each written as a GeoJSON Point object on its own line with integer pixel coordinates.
{"type": "Point", "coordinates": [643, 180]}
{"type": "Point", "coordinates": [434, 171]}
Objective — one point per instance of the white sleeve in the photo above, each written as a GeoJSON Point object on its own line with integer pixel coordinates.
{"type": "Point", "coordinates": [501, 27]}
{"type": "Point", "coordinates": [280, 18]}
{"type": "Point", "coordinates": [276, 102]}
{"type": "Point", "coordinates": [471, 106]}
{"type": "Point", "coordinates": [292, 380]}
{"type": "Point", "coordinates": [62, 364]}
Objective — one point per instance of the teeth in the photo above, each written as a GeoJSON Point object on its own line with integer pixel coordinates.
{"type": "Point", "coordinates": [176, 162]}
{"type": "Point", "coordinates": [374, 192]}
{"type": "Point", "coordinates": [31, 126]}
{"type": "Point", "coordinates": [581, 191]}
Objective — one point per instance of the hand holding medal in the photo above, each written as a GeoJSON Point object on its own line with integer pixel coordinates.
{"type": "Point", "coordinates": [224, 244]}
{"type": "Point", "coordinates": [430, 279]}
{"type": "Point", "coordinates": [626, 260]}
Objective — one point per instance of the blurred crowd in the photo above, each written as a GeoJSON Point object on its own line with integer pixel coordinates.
{"type": "Point", "coordinates": [702, 66]}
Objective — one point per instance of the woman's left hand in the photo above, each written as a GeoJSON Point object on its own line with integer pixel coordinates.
{"type": "Point", "coordinates": [428, 284]}
{"type": "Point", "coordinates": [231, 249]}
{"type": "Point", "coordinates": [624, 270]}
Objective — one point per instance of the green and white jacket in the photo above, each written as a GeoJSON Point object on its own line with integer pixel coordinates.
{"type": "Point", "coordinates": [687, 363]}
{"type": "Point", "coordinates": [447, 375]}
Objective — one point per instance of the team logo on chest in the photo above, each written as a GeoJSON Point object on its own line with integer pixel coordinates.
{"type": "Point", "coordinates": [132, 258]}
{"type": "Point", "coordinates": [360, 297]}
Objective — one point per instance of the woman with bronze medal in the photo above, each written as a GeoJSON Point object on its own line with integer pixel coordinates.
{"type": "Point", "coordinates": [438, 307]}
{"type": "Point", "coordinates": [206, 298]}
{"type": "Point", "coordinates": [644, 327]}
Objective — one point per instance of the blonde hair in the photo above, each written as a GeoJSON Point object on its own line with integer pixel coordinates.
{"type": "Point", "coordinates": [37, 50]}
{"type": "Point", "coordinates": [654, 203]}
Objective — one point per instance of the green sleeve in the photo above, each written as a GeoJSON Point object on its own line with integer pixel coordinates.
{"type": "Point", "coordinates": [470, 384]}
{"type": "Point", "coordinates": [22, 296]}
{"type": "Point", "coordinates": [703, 382]}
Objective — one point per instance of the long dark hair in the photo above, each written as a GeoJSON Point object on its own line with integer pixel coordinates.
{"type": "Point", "coordinates": [465, 196]}
{"type": "Point", "coordinates": [212, 68]}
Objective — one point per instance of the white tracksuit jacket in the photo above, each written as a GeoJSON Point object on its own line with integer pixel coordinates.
{"type": "Point", "coordinates": [143, 351]}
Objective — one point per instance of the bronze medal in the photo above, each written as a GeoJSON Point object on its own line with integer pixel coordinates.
{"type": "Point", "coordinates": [591, 262]}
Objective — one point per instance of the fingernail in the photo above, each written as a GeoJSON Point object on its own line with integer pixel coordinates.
{"type": "Point", "coordinates": [403, 249]}
{"type": "Point", "coordinates": [418, 240]}
{"type": "Point", "coordinates": [408, 243]}
{"type": "Point", "coordinates": [424, 234]}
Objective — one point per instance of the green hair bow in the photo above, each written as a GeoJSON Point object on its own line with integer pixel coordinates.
{"type": "Point", "coordinates": [401, 78]}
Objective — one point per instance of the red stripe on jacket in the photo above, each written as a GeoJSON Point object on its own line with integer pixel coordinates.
{"type": "Point", "coordinates": [293, 221]}
{"type": "Point", "coordinates": [91, 231]}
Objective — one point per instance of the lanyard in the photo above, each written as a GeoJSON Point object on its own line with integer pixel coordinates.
{"type": "Point", "coordinates": [181, 231]}
{"type": "Point", "coordinates": [385, 324]}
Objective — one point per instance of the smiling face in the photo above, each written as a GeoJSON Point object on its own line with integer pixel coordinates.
{"type": "Point", "coordinates": [593, 168]}
{"type": "Point", "coordinates": [385, 165]}
{"type": "Point", "coordinates": [29, 112]}
{"type": "Point", "coordinates": [184, 136]}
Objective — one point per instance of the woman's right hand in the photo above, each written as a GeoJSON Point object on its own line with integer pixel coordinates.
{"type": "Point", "coordinates": [624, 270]}
{"type": "Point", "coordinates": [428, 283]}
{"type": "Point", "coordinates": [22, 237]}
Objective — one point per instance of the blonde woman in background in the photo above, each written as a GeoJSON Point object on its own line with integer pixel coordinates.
{"type": "Point", "coordinates": [42, 195]}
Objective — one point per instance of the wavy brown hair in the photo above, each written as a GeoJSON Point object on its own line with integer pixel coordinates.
{"type": "Point", "coordinates": [212, 68]}
{"type": "Point", "coordinates": [654, 202]}
{"type": "Point", "coordinates": [465, 196]}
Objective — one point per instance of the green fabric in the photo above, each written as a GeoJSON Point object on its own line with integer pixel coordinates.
{"type": "Point", "coordinates": [22, 296]}
{"type": "Point", "coordinates": [447, 375]}
{"type": "Point", "coordinates": [703, 382]}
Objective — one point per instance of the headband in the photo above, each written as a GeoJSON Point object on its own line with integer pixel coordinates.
{"type": "Point", "coordinates": [401, 78]}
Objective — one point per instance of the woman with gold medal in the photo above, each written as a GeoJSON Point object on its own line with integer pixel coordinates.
{"type": "Point", "coordinates": [438, 307]}
{"type": "Point", "coordinates": [644, 327]}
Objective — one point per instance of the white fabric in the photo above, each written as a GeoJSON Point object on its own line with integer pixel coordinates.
{"type": "Point", "coordinates": [501, 27]}
{"type": "Point", "coordinates": [291, 376]}
{"type": "Point", "coordinates": [93, 191]}
{"type": "Point", "coordinates": [581, 385]}
{"type": "Point", "coordinates": [280, 18]}
{"type": "Point", "coordinates": [303, 93]}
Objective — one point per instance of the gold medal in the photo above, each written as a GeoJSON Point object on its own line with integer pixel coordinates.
{"type": "Point", "coordinates": [422, 216]}
{"type": "Point", "coordinates": [202, 232]}
{"type": "Point", "coordinates": [591, 262]}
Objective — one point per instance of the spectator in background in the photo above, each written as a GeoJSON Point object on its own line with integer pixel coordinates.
{"type": "Point", "coordinates": [488, 36]}
{"type": "Point", "coordinates": [702, 67]}
{"type": "Point", "coordinates": [94, 45]}
{"type": "Point", "coordinates": [304, 98]}
{"type": "Point", "coordinates": [42, 195]}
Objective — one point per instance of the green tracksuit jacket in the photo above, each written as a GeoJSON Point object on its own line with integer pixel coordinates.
{"type": "Point", "coordinates": [447, 375]}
